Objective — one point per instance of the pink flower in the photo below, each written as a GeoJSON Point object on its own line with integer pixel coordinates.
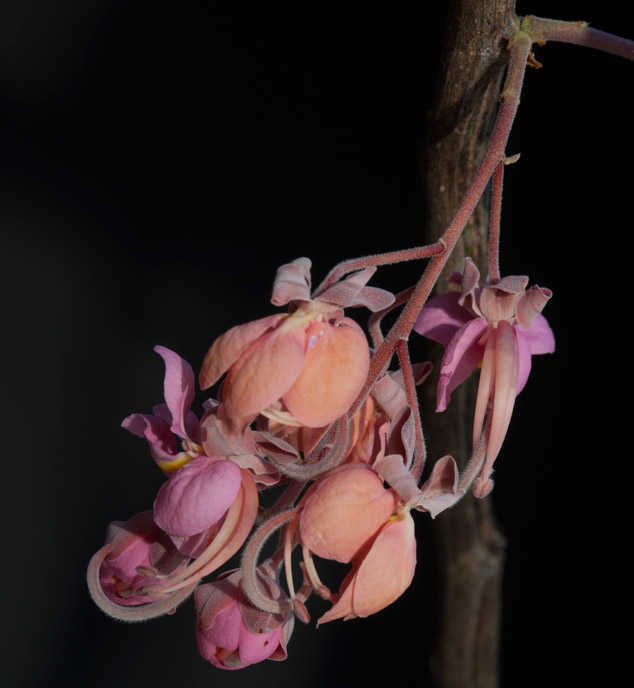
{"type": "Point", "coordinates": [499, 327]}
{"type": "Point", "coordinates": [301, 368]}
{"type": "Point", "coordinates": [139, 552]}
{"type": "Point", "coordinates": [230, 632]}
{"type": "Point", "coordinates": [171, 420]}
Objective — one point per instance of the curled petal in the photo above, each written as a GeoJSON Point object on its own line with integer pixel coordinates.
{"type": "Point", "coordinates": [440, 490]}
{"type": "Point", "coordinates": [532, 303]}
{"type": "Point", "coordinates": [292, 282]}
{"type": "Point", "coordinates": [352, 291]}
{"type": "Point", "coordinates": [469, 290]}
{"type": "Point", "coordinates": [498, 301]}
{"type": "Point", "coordinates": [197, 496]}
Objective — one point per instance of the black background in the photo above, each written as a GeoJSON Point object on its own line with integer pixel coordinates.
{"type": "Point", "coordinates": [158, 161]}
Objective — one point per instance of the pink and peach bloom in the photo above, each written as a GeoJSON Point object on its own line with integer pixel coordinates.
{"type": "Point", "coordinates": [498, 327]}
{"type": "Point", "coordinates": [304, 367]}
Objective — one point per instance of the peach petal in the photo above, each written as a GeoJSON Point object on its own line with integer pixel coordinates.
{"type": "Point", "coordinates": [228, 347]}
{"type": "Point", "coordinates": [335, 367]}
{"type": "Point", "coordinates": [264, 372]}
{"type": "Point", "coordinates": [342, 609]}
{"type": "Point", "coordinates": [344, 511]}
{"type": "Point", "coordinates": [387, 570]}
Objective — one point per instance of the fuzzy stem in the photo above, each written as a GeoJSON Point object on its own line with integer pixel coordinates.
{"type": "Point", "coordinates": [374, 325]}
{"type": "Point", "coordinates": [494, 224]}
{"type": "Point", "coordinates": [519, 49]}
{"type": "Point", "coordinates": [579, 33]}
{"type": "Point", "coordinates": [378, 259]}
{"type": "Point", "coordinates": [250, 562]}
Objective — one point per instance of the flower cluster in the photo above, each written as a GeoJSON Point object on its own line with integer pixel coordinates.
{"type": "Point", "coordinates": [303, 406]}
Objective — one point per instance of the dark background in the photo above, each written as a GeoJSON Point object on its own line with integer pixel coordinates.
{"type": "Point", "coordinates": [158, 161]}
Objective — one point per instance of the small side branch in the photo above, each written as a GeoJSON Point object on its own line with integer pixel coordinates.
{"type": "Point", "coordinates": [579, 33]}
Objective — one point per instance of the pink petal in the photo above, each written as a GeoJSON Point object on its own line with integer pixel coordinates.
{"type": "Point", "coordinates": [197, 496]}
{"type": "Point", "coordinates": [212, 598]}
{"type": "Point", "coordinates": [179, 388]}
{"type": "Point", "coordinates": [228, 347]}
{"type": "Point", "coordinates": [256, 647]}
{"type": "Point", "coordinates": [154, 429]}
{"type": "Point", "coordinates": [524, 359]}
{"type": "Point", "coordinates": [462, 356]}
{"type": "Point", "coordinates": [539, 336]}
{"type": "Point", "coordinates": [442, 317]}
{"type": "Point", "coordinates": [226, 630]}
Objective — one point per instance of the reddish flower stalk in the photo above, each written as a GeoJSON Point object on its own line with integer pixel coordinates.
{"type": "Point", "coordinates": [379, 259]}
{"type": "Point", "coordinates": [519, 49]}
{"type": "Point", "coordinates": [494, 224]}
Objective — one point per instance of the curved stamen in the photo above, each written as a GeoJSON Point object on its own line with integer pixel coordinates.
{"type": "Point", "coordinates": [141, 612]}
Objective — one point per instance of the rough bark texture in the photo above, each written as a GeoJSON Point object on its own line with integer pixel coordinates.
{"type": "Point", "coordinates": [470, 547]}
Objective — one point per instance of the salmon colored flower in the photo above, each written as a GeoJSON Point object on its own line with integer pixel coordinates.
{"type": "Point", "coordinates": [302, 368]}
{"type": "Point", "coordinates": [349, 516]}
{"type": "Point", "coordinates": [343, 511]}
{"type": "Point", "coordinates": [498, 327]}
{"type": "Point", "coordinates": [380, 574]}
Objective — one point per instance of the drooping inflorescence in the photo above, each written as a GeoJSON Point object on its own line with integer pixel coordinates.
{"type": "Point", "coordinates": [308, 404]}
{"type": "Point", "coordinates": [294, 410]}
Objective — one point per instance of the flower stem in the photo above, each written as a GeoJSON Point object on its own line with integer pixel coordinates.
{"type": "Point", "coordinates": [519, 50]}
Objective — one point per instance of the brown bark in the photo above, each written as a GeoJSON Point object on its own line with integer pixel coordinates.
{"type": "Point", "coordinates": [470, 547]}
